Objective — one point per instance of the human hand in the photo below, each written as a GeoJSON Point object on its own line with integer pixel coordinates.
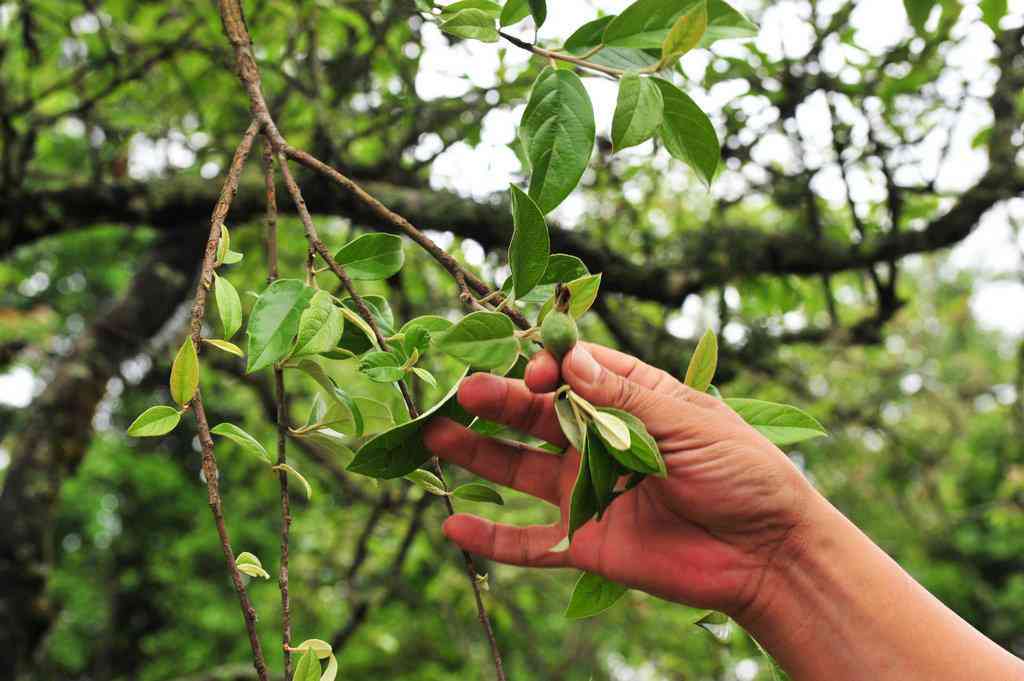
{"type": "Point", "coordinates": [705, 535]}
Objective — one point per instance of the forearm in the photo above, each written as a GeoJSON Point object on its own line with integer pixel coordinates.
{"type": "Point", "coordinates": [837, 607]}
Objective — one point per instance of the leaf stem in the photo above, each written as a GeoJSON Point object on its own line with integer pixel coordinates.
{"type": "Point", "coordinates": [559, 56]}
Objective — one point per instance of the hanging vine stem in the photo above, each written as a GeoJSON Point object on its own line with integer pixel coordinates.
{"type": "Point", "coordinates": [209, 462]}
{"type": "Point", "coordinates": [233, 22]}
{"type": "Point", "coordinates": [281, 403]}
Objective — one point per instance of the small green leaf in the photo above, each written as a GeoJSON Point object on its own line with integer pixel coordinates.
{"type": "Point", "coordinates": [531, 245]}
{"type": "Point", "coordinates": [685, 34]}
{"type": "Point", "coordinates": [590, 36]}
{"type": "Point", "coordinates": [328, 442]}
{"type": "Point", "coordinates": [638, 111]}
{"type": "Point", "coordinates": [249, 564]}
{"type": "Point", "coordinates": [471, 23]}
{"type": "Point", "coordinates": [223, 244]}
{"type": "Point", "coordinates": [427, 481]}
{"type": "Point", "coordinates": [425, 376]}
{"type": "Point", "coordinates": [372, 256]}
{"type": "Point", "coordinates": [643, 455]}
{"type": "Point", "coordinates": [331, 670]}
{"type": "Point", "coordinates": [602, 472]}
{"type": "Point", "coordinates": [317, 373]}
{"type": "Point", "coordinates": [382, 367]}
{"type": "Point", "coordinates": [154, 422]}
{"type": "Point", "coordinates": [400, 450]}
{"type": "Point", "coordinates": [358, 337]}
{"type": "Point", "coordinates": [376, 417]}
{"type": "Point", "coordinates": [688, 133]}
{"type": "Point", "coordinates": [432, 323]}
{"type": "Point", "coordinates": [593, 595]}
{"type": "Point", "coordinates": [703, 363]}
{"type": "Point", "coordinates": [308, 667]}
{"type": "Point", "coordinates": [488, 6]}
{"type": "Point", "coordinates": [229, 305]}
{"type": "Point", "coordinates": [274, 321]}
{"type": "Point", "coordinates": [583, 293]}
{"type": "Point", "coordinates": [320, 326]}
{"type": "Point", "coordinates": [243, 439]}
{"type": "Point", "coordinates": [514, 11]}
{"type": "Point", "coordinates": [612, 429]}
{"type": "Point", "coordinates": [226, 346]}
{"type": "Point", "coordinates": [782, 424]}
{"type": "Point", "coordinates": [539, 10]}
{"type": "Point", "coordinates": [646, 23]}
{"type": "Point", "coordinates": [415, 340]}
{"type": "Point", "coordinates": [298, 476]}
{"type": "Point", "coordinates": [185, 373]}
{"type": "Point", "coordinates": [322, 649]}
{"type": "Point", "coordinates": [572, 427]}
{"type": "Point", "coordinates": [562, 268]}
{"type": "Point", "coordinates": [558, 132]}
{"type": "Point", "coordinates": [475, 491]}
{"type": "Point", "coordinates": [583, 503]}
{"type": "Point", "coordinates": [231, 257]}
{"type": "Point", "coordinates": [725, 22]}
{"type": "Point", "coordinates": [483, 340]}
{"type": "Point", "coordinates": [714, 392]}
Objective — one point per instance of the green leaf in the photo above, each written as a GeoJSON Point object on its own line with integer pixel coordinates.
{"type": "Point", "coordinates": [331, 671]}
{"type": "Point", "coordinates": [593, 595]}
{"type": "Point", "coordinates": [558, 133]}
{"type": "Point", "coordinates": [376, 416]}
{"type": "Point", "coordinates": [572, 427]}
{"type": "Point", "coordinates": [483, 340]}
{"type": "Point", "coordinates": [298, 476]}
{"type": "Point", "coordinates": [685, 34]}
{"type": "Point", "coordinates": [474, 491]}
{"type": "Point", "coordinates": [583, 294]}
{"type": "Point", "coordinates": [646, 23]}
{"type": "Point", "coordinates": [638, 111]}
{"type": "Point", "coordinates": [308, 667]}
{"type": "Point", "coordinates": [317, 373]}
{"type": "Point", "coordinates": [415, 341]}
{"type": "Point", "coordinates": [590, 36]}
{"type": "Point", "coordinates": [714, 392]}
{"type": "Point", "coordinates": [247, 442]}
{"type": "Point", "coordinates": [249, 564]}
{"type": "Point", "coordinates": [612, 430]}
{"type": "Point", "coordinates": [231, 257]}
{"type": "Point", "coordinates": [382, 367]}
{"type": "Point", "coordinates": [154, 422]}
{"type": "Point", "coordinates": [488, 6]}
{"type": "Point", "coordinates": [531, 245]}
{"type": "Point", "coordinates": [562, 268]}
{"type": "Point", "coordinates": [602, 471]}
{"type": "Point", "coordinates": [425, 376]}
{"type": "Point", "coordinates": [643, 455]}
{"type": "Point", "coordinates": [224, 345]}
{"type": "Point", "coordinates": [432, 323]}
{"type": "Point", "coordinates": [274, 320]}
{"type": "Point", "coordinates": [229, 305]}
{"type": "Point", "coordinates": [992, 12]}
{"type": "Point", "coordinates": [320, 326]}
{"type": "Point", "coordinates": [427, 481]}
{"type": "Point", "coordinates": [583, 503]}
{"type": "Point", "coordinates": [328, 442]}
{"type": "Point", "coordinates": [471, 23]}
{"type": "Point", "coordinates": [358, 337]}
{"type": "Point", "coordinates": [687, 132]}
{"type": "Point", "coordinates": [223, 244]}
{"type": "Point", "coordinates": [322, 649]}
{"type": "Point", "coordinates": [400, 450]}
{"type": "Point", "coordinates": [918, 12]}
{"type": "Point", "coordinates": [539, 10]}
{"type": "Point", "coordinates": [780, 423]}
{"type": "Point", "coordinates": [514, 11]}
{"type": "Point", "coordinates": [703, 363]}
{"type": "Point", "coordinates": [725, 22]}
{"type": "Point", "coordinates": [372, 256]}
{"type": "Point", "coordinates": [185, 373]}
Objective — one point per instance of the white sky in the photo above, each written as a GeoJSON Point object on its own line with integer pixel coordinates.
{"type": "Point", "coordinates": [990, 252]}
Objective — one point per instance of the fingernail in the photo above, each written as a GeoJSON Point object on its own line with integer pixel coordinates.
{"type": "Point", "coordinates": [583, 364]}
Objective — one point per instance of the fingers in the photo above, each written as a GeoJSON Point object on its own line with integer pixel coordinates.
{"type": "Point", "coordinates": [525, 469]}
{"type": "Point", "coordinates": [543, 373]}
{"type": "Point", "coordinates": [510, 402]}
{"type": "Point", "coordinates": [528, 546]}
{"type": "Point", "coordinates": [601, 386]}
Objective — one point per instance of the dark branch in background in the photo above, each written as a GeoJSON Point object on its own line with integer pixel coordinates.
{"type": "Point", "coordinates": [210, 471]}
{"type": "Point", "coordinates": [280, 417]}
{"type": "Point", "coordinates": [233, 21]}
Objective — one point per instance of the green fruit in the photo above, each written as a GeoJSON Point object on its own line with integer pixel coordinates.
{"type": "Point", "coordinates": [559, 333]}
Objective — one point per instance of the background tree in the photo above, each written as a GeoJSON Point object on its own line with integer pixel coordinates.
{"type": "Point", "coordinates": [857, 148]}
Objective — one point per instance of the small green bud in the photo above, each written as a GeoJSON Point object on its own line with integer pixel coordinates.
{"type": "Point", "coordinates": [559, 333]}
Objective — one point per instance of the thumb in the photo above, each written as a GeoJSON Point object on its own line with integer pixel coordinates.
{"type": "Point", "coordinates": [604, 388]}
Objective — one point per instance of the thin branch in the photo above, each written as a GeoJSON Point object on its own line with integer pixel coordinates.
{"type": "Point", "coordinates": [209, 462]}
{"type": "Point", "coordinates": [561, 56]}
{"type": "Point", "coordinates": [281, 409]}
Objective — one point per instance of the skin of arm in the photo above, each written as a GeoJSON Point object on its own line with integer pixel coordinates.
{"type": "Point", "coordinates": [734, 527]}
